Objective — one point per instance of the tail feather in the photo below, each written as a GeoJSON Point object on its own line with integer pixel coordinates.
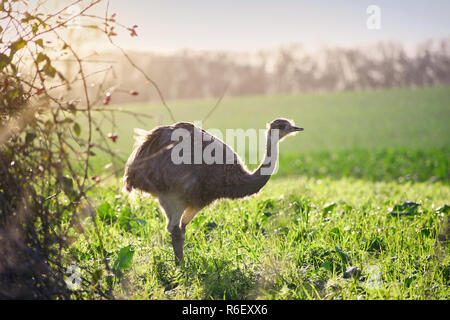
{"type": "Point", "coordinates": [139, 167]}
{"type": "Point", "coordinates": [139, 136]}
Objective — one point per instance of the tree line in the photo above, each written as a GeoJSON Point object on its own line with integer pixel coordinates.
{"type": "Point", "coordinates": [191, 74]}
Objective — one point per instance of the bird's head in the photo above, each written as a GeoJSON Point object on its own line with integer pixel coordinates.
{"type": "Point", "coordinates": [284, 126]}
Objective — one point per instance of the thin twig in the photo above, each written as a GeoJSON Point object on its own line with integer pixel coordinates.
{"type": "Point", "coordinates": [217, 104]}
{"type": "Point", "coordinates": [150, 80]}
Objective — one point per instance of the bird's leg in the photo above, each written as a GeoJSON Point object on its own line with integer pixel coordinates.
{"type": "Point", "coordinates": [174, 208]}
{"type": "Point", "coordinates": [178, 236]}
{"type": "Point", "coordinates": [178, 233]}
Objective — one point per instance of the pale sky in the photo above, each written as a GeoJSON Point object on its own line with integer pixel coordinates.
{"type": "Point", "coordinates": [250, 25]}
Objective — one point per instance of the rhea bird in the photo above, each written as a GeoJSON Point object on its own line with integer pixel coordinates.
{"type": "Point", "coordinates": [184, 188]}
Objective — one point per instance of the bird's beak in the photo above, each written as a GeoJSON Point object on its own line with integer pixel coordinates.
{"type": "Point", "coordinates": [297, 129]}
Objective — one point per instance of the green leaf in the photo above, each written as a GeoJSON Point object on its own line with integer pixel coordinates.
{"type": "Point", "coordinates": [77, 129]}
{"type": "Point", "coordinates": [105, 212]}
{"type": "Point", "coordinates": [40, 43]}
{"type": "Point", "coordinates": [4, 61]}
{"type": "Point", "coordinates": [328, 208]}
{"type": "Point", "coordinates": [124, 260]}
{"type": "Point", "coordinates": [41, 57]}
{"type": "Point", "coordinates": [17, 45]}
{"type": "Point", "coordinates": [34, 29]}
{"type": "Point", "coordinates": [407, 208]}
{"type": "Point", "coordinates": [49, 70]}
{"type": "Point", "coordinates": [444, 209]}
{"type": "Point", "coordinates": [28, 18]}
{"type": "Point", "coordinates": [125, 218]}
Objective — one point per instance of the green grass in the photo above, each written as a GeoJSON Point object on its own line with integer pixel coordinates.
{"type": "Point", "coordinates": [371, 120]}
{"type": "Point", "coordinates": [398, 134]}
{"type": "Point", "coordinates": [326, 210]}
{"type": "Point", "coordinates": [281, 244]}
{"type": "Point", "coordinates": [398, 164]}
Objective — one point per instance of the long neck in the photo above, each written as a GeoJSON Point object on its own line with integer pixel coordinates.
{"type": "Point", "coordinates": [269, 162]}
{"type": "Point", "coordinates": [252, 183]}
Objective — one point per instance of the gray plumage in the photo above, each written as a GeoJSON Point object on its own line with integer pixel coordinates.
{"type": "Point", "coordinates": [184, 189]}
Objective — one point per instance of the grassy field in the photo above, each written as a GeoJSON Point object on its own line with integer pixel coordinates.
{"type": "Point", "coordinates": [397, 134]}
{"type": "Point", "coordinates": [358, 210]}
{"type": "Point", "coordinates": [333, 121]}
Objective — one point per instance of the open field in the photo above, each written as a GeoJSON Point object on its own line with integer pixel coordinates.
{"type": "Point", "coordinates": [283, 243]}
{"type": "Point", "coordinates": [386, 134]}
{"type": "Point", "coordinates": [333, 121]}
{"type": "Point", "coordinates": [365, 185]}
